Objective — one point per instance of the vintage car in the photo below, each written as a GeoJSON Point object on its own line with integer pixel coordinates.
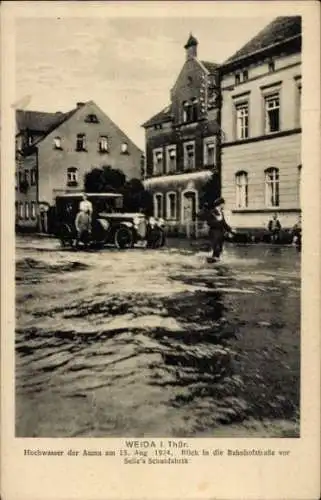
{"type": "Point", "coordinates": [109, 224]}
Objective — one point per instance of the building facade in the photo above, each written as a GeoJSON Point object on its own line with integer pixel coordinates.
{"type": "Point", "coordinates": [261, 152]}
{"type": "Point", "coordinates": [54, 151]}
{"type": "Point", "coordinates": [182, 142]}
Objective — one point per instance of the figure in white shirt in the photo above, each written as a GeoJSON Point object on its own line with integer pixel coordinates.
{"type": "Point", "coordinates": [85, 205]}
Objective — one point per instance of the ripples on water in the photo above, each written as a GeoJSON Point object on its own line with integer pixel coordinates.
{"type": "Point", "coordinates": [154, 343]}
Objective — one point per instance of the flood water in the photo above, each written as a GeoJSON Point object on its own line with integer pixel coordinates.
{"type": "Point", "coordinates": [156, 342]}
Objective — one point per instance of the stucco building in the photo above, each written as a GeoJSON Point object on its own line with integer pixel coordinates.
{"type": "Point", "coordinates": [261, 152]}
{"type": "Point", "coordinates": [182, 141]}
{"type": "Point", "coordinates": [54, 151]}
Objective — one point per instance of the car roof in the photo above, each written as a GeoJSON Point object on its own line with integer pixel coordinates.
{"type": "Point", "coordinates": [90, 195]}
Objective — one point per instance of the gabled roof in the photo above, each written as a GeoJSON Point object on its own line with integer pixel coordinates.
{"type": "Point", "coordinates": [210, 66]}
{"type": "Point", "coordinates": [279, 30]}
{"type": "Point", "coordinates": [39, 121]}
{"type": "Point", "coordinates": [163, 116]}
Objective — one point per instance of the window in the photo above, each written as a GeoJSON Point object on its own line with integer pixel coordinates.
{"type": "Point", "coordinates": [171, 206]}
{"type": "Point", "coordinates": [189, 155]}
{"type": "Point", "coordinates": [26, 176]}
{"type": "Point", "coordinates": [272, 197]}
{"type": "Point", "coordinates": [237, 79]}
{"type": "Point", "coordinates": [33, 210]}
{"type": "Point", "coordinates": [33, 177]}
{"type": "Point", "coordinates": [194, 110]}
{"type": "Point", "coordinates": [158, 205]}
{"type": "Point", "coordinates": [16, 181]}
{"type": "Point", "coordinates": [81, 142]}
{"type": "Point", "coordinates": [72, 176]}
{"type": "Point", "coordinates": [209, 152]}
{"type": "Point", "coordinates": [158, 126]}
{"type": "Point", "coordinates": [57, 142]}
{"type": "Point", "coordinates": [271, 66]}
{"type": "Point", "coordinates": [91, 119]}
{"type": "Point", "coordinates": [30, 140]}
{"type": "Point", "coordinates": [21, 210]}
{"type": "Point", "coordinates": [103, 144]}
{"type": "Point", "coordinates": [245, 75]}
{"type": "Point", "coordinates": [171, 159]}
{"type": "Point", "coordinates": [21, 177]}
{"type": "Point", "coordinates": [241, 183]}
{"type": "Point", "coordinates": [272, 114]}
{"type": "Point", "coordinates": [124, 148]}
{"type": "Point", "coordinates": [187, 112]}
{"type": "Point", "coordinates": [19, 143]}
{"type": "Point", "coordinates": [242, 121]}
{"type": "Point", "coordinates": [27, 210]}
{"type": "Point", "coordinates": [158, 161]}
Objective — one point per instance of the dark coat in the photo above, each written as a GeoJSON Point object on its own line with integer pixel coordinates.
{"type": "Point", "coordinates": [215, 220]}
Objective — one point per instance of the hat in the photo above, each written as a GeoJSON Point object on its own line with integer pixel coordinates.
{"type": "Point", "coordinates": [218, 201]}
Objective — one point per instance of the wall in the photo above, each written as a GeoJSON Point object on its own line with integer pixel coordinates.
{"type": "Point", "coordinates": [283, 153]}
{"type": "Point", "coordinates": [53, 163]}
{"type": "Point", "coordinates": [287, 70]}
{"type": "Point", "coordinates": [259, 151]}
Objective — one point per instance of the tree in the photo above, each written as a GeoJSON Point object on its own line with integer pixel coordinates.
{"type": "Point", "coordinates": [136, 197]}
{"type": "Point", "coordinates": [108, 179]}
{"type": "Point", "coordinates": [104, 180]}
{"type": "Point", "coordinates": [211, 190]}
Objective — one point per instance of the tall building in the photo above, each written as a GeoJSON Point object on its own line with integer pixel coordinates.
{"type": "Point", "coordinates": [182, 141]}
{"type": "Point", "coordinates": [261, 152]}
{"type": "Point", "coordinates": [54, 151]}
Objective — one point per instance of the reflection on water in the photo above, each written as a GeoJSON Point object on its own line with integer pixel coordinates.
{"type": "Point", "coordinates": [154, 343]}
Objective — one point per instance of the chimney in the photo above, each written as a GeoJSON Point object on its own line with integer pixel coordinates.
{"type": "Point", "coordinates": [80, 104]}
{"type": "Point", "coordinates": [191, 47]}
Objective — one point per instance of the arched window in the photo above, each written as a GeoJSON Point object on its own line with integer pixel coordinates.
{"type": "Point", "coordinates": [272, 188]}
{"type": "Point", "coordinates": [158, 205]}
{"type": "Point", "coordinates": [241, 185]}
{"type": "Point", "coordinates": [72, 176]}
{"type": "Point", "coordinates": [171, 205]}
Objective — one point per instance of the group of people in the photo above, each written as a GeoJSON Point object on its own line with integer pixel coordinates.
{"type": "Point", "coordinates": [218, 227]}
{"type": "Point", "coordinates": [274, 228]}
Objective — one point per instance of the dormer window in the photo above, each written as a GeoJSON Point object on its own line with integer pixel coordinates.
{"type": "Point", "coordinates": [237, 79]}
{"type": "Point", "coordinates": [30, 140]}
{"type": "Point", "coordinates": [91, 119]}
{"type": "Point", "coordinates": [124, 148]}
{"type": "Point", "coordinates": [245, 75]}
{"type": "Point", "coordinates": [103, 144]}
{"type": "Point", "coordinates": [57, 143]}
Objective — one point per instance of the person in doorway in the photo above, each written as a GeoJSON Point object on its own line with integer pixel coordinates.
{"type": "Point", "coordinates": [217, 227]}
{"type": "Point", "coordinates": [274, 227]}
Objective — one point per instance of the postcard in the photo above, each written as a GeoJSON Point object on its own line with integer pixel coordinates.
{"type": "Point", "coordinates": [160, 223]}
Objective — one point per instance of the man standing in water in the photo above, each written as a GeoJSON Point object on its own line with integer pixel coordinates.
{"type": "Point", "coordinates": [217, 227]}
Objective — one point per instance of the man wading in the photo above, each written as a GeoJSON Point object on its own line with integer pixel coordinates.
{"type": "Point", "coordinates": [217, 227]}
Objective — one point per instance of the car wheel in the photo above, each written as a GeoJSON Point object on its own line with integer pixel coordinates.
{"type": "Point", "coordinates": [123, 237]}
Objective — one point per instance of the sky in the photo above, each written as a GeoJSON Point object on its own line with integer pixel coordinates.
{"type": "Point", "coordinates": [126, 65]}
